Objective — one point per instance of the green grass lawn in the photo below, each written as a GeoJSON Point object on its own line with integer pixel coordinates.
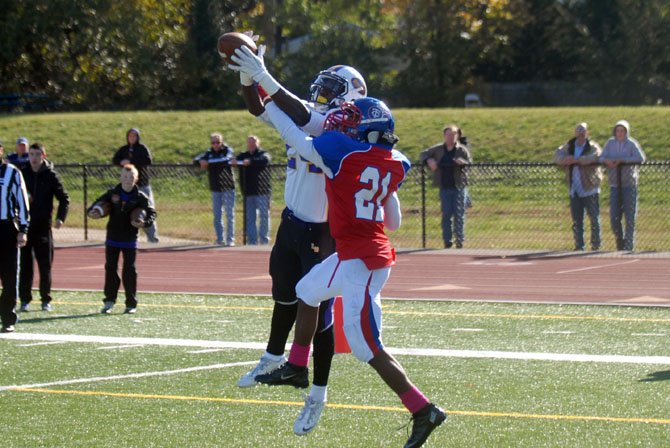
{"type": "Point", "coordinates": [495, 135]}
{"type": "Point", "coordinates": [493, 402]}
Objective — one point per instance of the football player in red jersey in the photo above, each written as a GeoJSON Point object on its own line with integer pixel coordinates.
{"type": "Point", "coordinates": [363, 173]}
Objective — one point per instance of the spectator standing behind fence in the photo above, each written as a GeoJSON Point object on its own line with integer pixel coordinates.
{"type": "Point", "coordinates": [621, 156]}
{"type": "Point", "coordinates": [20, 158]}
{"type": "Point", "coordinates": [121, 237]}
{"type": "Point", "coordinates": [139, 155]}
{"type": "Point", "coordinates": [580, 157]}
{"type": "Point", "coordinates": [14, 221]}
{"type": "Point", "coordinates": [448, 161]}
{"type": "Point", "coordinates": [256, 187]}
{"type": "Point", "coordinates": [217, 160]}
{"type": "Point", "coordinates": [43, 184]}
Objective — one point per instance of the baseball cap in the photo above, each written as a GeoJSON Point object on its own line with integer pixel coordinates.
{"type": "Point", "coordinates": [582, 126]}
{"type": "Point", "coordinates": [22, 141]}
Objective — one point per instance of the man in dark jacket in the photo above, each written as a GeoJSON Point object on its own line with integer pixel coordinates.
{"type": "Point", "coordinates": [217, 160]}
{"type": "Point", "coordinates": [449, 162]}
{"type": "Point", "coordinates": [121, 201]}
{"type": "Point", "coordinates": [43, 184]}
{"type": "Point", "coordinates": [256, 186]}
{"type": "Point", "coordinates": [139, 155]}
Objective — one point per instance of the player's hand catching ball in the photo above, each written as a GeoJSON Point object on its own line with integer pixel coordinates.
{"type": "Point", "coordinates": [246, 61]}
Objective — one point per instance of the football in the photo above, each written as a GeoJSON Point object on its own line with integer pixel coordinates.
{"type": "Point", "coordinates": [229, 42]}
{"type": "Point", "coordinates": [138, 216]}
{"type": "Point", "coordinates": [100, 210]}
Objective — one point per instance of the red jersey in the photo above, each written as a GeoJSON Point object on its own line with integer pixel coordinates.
{"type": "Point", "coordinates": [363, 177]}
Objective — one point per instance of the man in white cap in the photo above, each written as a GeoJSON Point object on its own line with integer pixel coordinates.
{"type": "Point", "coordinates": [20, 158]}
{"type": "Point", "coordinates": [583, 173]}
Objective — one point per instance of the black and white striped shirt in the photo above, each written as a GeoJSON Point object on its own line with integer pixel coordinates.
{"type": "Point", "coordinates": [13, 197]}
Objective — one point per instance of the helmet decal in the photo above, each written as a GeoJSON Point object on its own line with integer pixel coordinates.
{"type": "Point", "coordinates": [359, 86]}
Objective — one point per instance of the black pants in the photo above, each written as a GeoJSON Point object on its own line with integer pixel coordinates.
{"type": "Point", "coordinates": [9, 269]}
{"type": "Point", "coordinates": [299, 246]}
{"type": "Point", "coordinates": [40, 242]}
{"type": "Point", "coordinates": [128, 273]}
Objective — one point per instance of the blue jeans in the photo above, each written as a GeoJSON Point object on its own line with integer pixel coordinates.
{"type": "Point", "coordinates": [221, 199]}
{"type": "Point", "coordinates": [623, 203]}
{"type": "Point", "coordinates": [453, 206]}
{"type": "Point", "coordinates": [592, 206]}
{"type": "Point", "coordinates": [258, 205]}
{"type": "Point", "coordinates": [152, 230]}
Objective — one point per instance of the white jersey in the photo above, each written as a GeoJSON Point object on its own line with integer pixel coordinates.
{"type": "Point", "coordinates": [305, 187]}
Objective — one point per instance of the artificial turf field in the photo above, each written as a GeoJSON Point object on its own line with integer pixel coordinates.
{"type": "Point", "coordinates": [509, 375]}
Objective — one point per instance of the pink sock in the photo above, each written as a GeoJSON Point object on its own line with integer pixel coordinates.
{"type": "Point", "coordinates": [299, 355]}
{"type": "Point", "coordinates": [414, 400]}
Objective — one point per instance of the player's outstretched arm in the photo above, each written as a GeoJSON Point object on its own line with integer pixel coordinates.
{"type": "Point", "coordinates": [392, 213]}
{"type": "Point", "coordinates": [295, 137]}
{"type": "Point", "coordinates": [252, 100]}
{"type": "Point", "coordinates": [254, 66]}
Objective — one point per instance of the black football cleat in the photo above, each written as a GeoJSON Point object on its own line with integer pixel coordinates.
{"type": "Point", "coordinates": [288, 374]}
{"type": "Point", "coordinates": [425, 420]}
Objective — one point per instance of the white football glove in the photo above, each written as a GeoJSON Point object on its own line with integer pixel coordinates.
{"type": "Point", "coordinates": [251, 34]}
{"type": "Point", "coordinates": [246, 61]}
{"type": "Point", "coordinates": [245, 79]}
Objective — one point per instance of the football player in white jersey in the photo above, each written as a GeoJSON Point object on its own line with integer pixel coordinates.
{"type": "Point", "coordinates": [303, 238]}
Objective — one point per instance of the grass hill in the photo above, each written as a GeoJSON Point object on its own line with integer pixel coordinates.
{"type": "Point", "coordinates": [495, 135]}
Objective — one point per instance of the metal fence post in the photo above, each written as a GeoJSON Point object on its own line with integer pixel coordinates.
{"type": "Point", "coordinates": [243, 187]}
{"type": "Point", "coordinates": [85, 178]}
{"type": "Point", "coordinates": [423, 206]}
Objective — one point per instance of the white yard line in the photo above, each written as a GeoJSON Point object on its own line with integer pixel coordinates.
{"type": "Point", "coordinates": [114, 347]}
{"type": "Point", "coordinates": [206, 350]}
{"type": "Point", "coordinates": [524, 356]}
{"type": "Point", "coordinates": [599, 267]}
{"type": "Point", "coordinates": [130, 375]}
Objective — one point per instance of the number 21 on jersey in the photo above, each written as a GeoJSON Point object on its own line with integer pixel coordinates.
{"type": "Point", "coordinates": [369, 199]}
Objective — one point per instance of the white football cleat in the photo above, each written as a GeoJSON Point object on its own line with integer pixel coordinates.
{"type": "Point", "coordinates": [309, 416]}
{"type": "Point", "coordinates": [265, 365]}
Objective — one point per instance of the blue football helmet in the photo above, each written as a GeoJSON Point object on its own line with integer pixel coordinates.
{"type": "Point", "coordinates": [366, 119]}
{"type": "Point", "coordinates": [377, 123]}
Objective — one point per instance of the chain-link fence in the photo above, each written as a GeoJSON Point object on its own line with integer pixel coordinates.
{"type": "Point", "coordinates": [514, 206]}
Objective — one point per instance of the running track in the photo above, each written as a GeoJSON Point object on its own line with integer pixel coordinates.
{"type": "Point", "coordinates": [433, 275]}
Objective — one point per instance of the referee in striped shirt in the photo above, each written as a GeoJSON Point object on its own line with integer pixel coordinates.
{"type": "Point", "coordinates": [14, 220]}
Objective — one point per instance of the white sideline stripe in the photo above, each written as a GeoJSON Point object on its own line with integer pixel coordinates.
{"type": "Point", "coordinates": [133, 341]}
{"type": "Point", "coordinates": [130, 375]}
{"type": "Point", "coordinates": [598, 267]}
{"type": "Point", "coordinates": [524, 356]}
{"type": "Point", "coordinates": [529, 356]}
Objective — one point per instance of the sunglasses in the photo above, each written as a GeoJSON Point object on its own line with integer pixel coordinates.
{"type": "Point", "coordinates": [216, 143]}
